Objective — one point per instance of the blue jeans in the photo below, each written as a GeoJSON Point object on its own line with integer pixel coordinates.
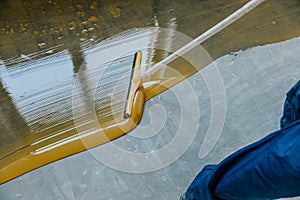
{"type": "Point", "coordinates": [267, 169]}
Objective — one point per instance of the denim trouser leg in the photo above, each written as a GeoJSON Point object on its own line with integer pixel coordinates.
{"type": "Point", "coordinates": [267, 169]}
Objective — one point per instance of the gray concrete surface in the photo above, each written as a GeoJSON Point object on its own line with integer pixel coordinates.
{"type": "Point", "coordinates": [255, 80]}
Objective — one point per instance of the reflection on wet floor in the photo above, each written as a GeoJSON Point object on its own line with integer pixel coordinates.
{"type": "Point", "coordinates": [43, 45]}
{"type": "Point", "coordinates": [43, 92]}
{"type": "Point", "coordinates": [27, 26]}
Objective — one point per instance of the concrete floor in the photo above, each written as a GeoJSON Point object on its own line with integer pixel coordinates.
{"type": "Point", "coordinates": [255, 80]}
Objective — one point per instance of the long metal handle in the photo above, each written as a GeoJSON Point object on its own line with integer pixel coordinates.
{"type": "Point", "coordinates": [206, 35]}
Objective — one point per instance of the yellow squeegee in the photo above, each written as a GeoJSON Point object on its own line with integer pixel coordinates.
{"type": "Point", "coordinates": [65, 140]}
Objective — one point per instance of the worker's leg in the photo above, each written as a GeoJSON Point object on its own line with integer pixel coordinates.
{"type": "Point", "coordinates": [267, 169]}
{"type": "Point", "coordinates": [291, 111]}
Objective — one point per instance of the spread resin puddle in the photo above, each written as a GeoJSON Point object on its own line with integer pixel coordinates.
{"type": "Point", "coordinates": [74, 95]}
